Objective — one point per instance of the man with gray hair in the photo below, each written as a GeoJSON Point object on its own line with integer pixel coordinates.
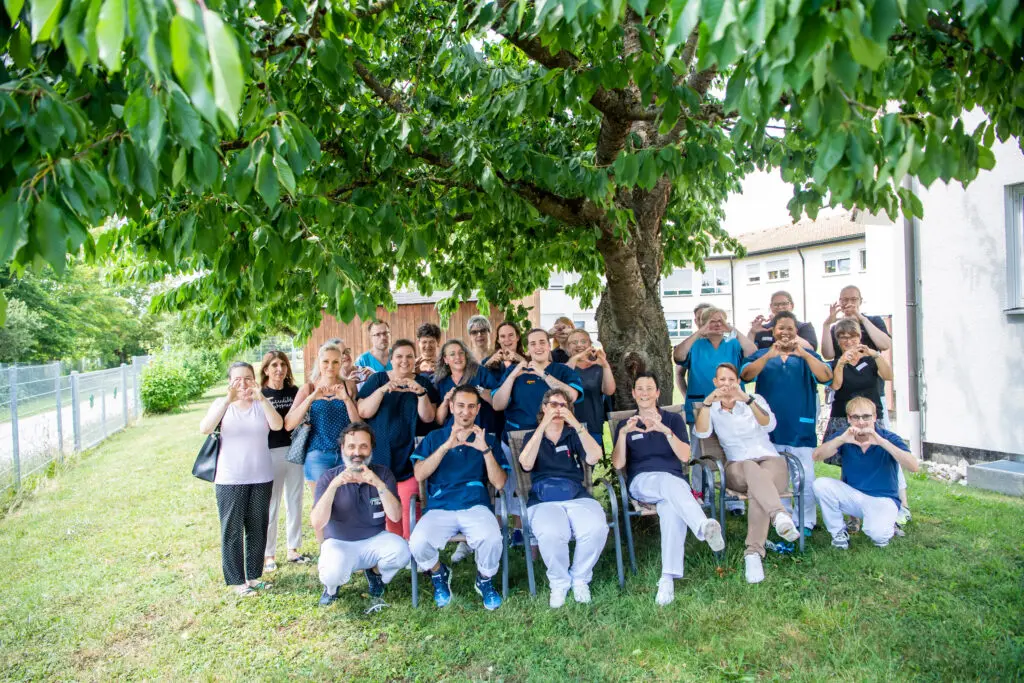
{"type": "Point", "coordinates": [478, 329]}
{"type": "Point", "coordinates": [351, 503]}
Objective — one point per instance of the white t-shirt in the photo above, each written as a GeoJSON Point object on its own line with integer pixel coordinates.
{"type": "Point", "coordinates": [244, 454]}
{"type": "Point", "coordinates": [739, 433]}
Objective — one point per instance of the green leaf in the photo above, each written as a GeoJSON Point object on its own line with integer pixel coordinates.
{"type": "Point", "coordinates": [21, 47]}
{"type": "Point", "coordinates": [110, 33]}
{"type": "Point", "coordinates": [228, 78]}
{"type": "Point", "coordinates": [284, 173]}
{"type": "Point", "coordinates": [3, 308]}
{"type": "Point", "coordinates": [12, 236]}
{"type": "Point", "coordinates": [14, 9]}
{"type": "Point", "coordinates": [48, 225]}
{"type": "Point", "coordinates": [986, 159]}
{"type": "Point", "coordinates": [266, 180]}
{"type": "Point", "coordinates": [831, 151]}
{"type": "Point", "coordinates": [180, 166]}
{"type": "Point", "coordinates": [92, 21]}
{"type": "Point", "coordinates": [204, 165]}
{"type": "Point", "coordinates": [45, 14]}
{"type": "Point", "coordinates": [71, 31]}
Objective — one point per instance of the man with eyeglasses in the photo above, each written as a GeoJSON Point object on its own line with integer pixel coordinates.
{"type": "Point", "coordinates": [761, 331]}
{"type": "Point", "coordinates": [872, 457]}
{"type": "Point", "coordinates": [478, 329]}
{"type": "Point", "coordinates": [378, 357]}
{"type": "Point", "coordinates": [874, 334]}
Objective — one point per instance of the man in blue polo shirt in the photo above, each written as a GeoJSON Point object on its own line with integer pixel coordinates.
{"type": "Point", "coordinates": [458, 461]}
{"type": "Point", "coordinates": [352, 502]}
{"type": "Point", "coordinates": [869, 490]}
{"type": "Point", "coordinates": [652, 446]}
{"type": "Point", "coordinates": [377, 358]}
{"type": "Point", "coordinates": [787, 377]}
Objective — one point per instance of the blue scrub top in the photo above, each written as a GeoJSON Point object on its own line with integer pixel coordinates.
{"type": "Point", "coordinates": [702, 362]}
{"type": "Point", "coordinates": [367, 360]}
{"type": "Point", "coordinates": [873, 472]}
{"type": "Point", "coordinates": [791, 390]}
{"type": "Point", "coordinates": [460, 481]}
{"type": "Point", "coordinates": [563, 459]}
{"type": "Point", "coordinates": [528, 392]}
{"type": "Point", "coordinates": [483, 378]}
{"type": "Point", "coordinates": [651, 451]}
{"type": "Point", "coordinates": [394, 425]}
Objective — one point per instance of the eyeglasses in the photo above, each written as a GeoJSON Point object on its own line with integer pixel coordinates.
{"type": "Point", "coordinates": [381, 334]}
{"type": "Point", "coordinates": [849, 300]}
{"type": "Point", "coordinates": [845, 337]}
{"type": "Point", "coordinates": [478, 331]}
{"type": "Point", "coordinates": [780, 304]}
{"type": "Point", "coordinates": [557, 404]}
{"type": "Point", "coordinates": [859, 418]}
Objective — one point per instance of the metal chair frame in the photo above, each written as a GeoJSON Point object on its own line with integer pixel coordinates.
{"type": "Point", "coordinates": [523, 481]}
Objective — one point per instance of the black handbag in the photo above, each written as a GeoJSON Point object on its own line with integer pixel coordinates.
{"type": "Point", "coordinates": [205, 467]}
{"type": "Point", "coordinates": [300, 440]}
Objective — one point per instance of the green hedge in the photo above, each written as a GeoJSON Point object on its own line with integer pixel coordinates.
{"type": "Point", "coordinates": [176, 377]}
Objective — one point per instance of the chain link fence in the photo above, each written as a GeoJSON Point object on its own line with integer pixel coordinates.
{"type": "Point", "coordinates": [45, 414]}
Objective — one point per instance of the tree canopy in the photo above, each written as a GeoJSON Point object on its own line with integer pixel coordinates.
{"type": "Point", "coordinates": [278, 156]}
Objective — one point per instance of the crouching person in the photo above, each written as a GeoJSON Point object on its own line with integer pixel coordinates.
{"type": "Point", "coordinates": [652, 446]}
{"type": "Point", "coordinates": [457, 462]}
{"type": "Point", "coordinates": [559, 507]}
{"type": "Point", "coordinates": [869, 490]}
{"type": "Point", "coordinates": [753, 466]}
{"type": "Point", "coordinates": [351, 504]}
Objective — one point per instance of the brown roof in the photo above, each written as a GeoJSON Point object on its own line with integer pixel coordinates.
{"type": "Point", "coordinates": [806, 233]}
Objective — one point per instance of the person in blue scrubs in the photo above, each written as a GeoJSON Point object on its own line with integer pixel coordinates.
{"type": "Point", "coordinates": [457, 462]}
{"type": "Point", "coordinates": [377, 358]}
{"type": "Point", "coordinates": [787, 377]}
{"type": "Point", "coordinates": [457, 367]}
{"type": "Point", "coordinates": [872, 458]}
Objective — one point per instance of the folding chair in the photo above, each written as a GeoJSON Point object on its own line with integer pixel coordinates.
{"type": "Point", "coordinates": [714, 457]}
{"type": "Point", "coordinates": [500, 510]}
{"type": "Point", "coordinates": [523, 482]}
{"type": "Point", "coordinates": [631, 507]}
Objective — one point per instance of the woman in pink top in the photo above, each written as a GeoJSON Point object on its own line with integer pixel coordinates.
{"type": "Point", "coordinates": [245, 476]}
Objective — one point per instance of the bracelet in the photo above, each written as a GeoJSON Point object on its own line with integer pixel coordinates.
{"type": "Point", "coordinates": [750, 400]}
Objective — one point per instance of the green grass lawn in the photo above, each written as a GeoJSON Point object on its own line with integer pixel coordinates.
{"type": "Point", "coordinates": [112, 570]}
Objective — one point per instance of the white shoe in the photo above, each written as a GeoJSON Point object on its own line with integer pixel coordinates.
{"type": "Point", "coordinates": [666, 591]}
{"type": "Point", "coordinates": [580, 592]}
{"type": "Point", "coordinates": [462, 551]}
{"type": "Point", "coordinates": [713, 535]}
{"type": "Point", "coordinates": [557, 598]}
{"type": "Point", "coordinates": [755, 571]}
{"type": "Point", "coordinates": [785, 527]}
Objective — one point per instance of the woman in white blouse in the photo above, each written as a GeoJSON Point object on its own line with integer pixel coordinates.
{"type": "Point", "coordinates": [753, 466]}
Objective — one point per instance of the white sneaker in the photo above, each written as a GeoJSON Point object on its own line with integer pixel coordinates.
{"type": "Point", "coordinates": [713, 535]}
{"type": "Point", "coordinates": [666, 591]}
{"type": "Point", "coordinates": [580, 592]}
{"type": "Point", "coordinates": [462, 551]}
{"type": "Point", "coordinates": [557, 598]}
{"type": "Point", "coordinates": [755, 571]}
{"type": "Point", "coordinates": [785, 527]}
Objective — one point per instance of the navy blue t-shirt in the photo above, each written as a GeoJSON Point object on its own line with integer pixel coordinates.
{"type": "Point", "coordinates": [873, 472]}
{"type": "Point", "coordinates": [563, 459]}
{"type": "Point", "coordinates": [559, 355]}
{"type": "Point", "coordinates": [357, 512]}
{"type": "Point", "coordinates": [394, 425]}
{"type": "Point", "coordinates": [483, 378]}
{"type": "Point", "coordinates": [591, 409]}
{"type": "Point", "coordinates": [791, 390]}
{"type": "Point", "coordinates": [460, 481]}
{"type": "Point", "coordinates": [651, 451]}
{"type": "Point", "coordinates": [528, 393]}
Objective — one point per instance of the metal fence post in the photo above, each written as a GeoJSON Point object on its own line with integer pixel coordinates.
{"type": "Point", "coordinates": [124, 394]}
{"type": "Point", "coordinates": [103, 408]}
{"type": "Point", "coordinates": [137, 381]}
{"type": "Point", "coordinates": [76, 412]}
{"type": "Point", "coordinates": [60, 417]}
{"type": "Point", "coordinates": [12, 378]}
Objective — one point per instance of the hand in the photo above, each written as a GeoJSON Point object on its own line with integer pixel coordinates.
{"type": "Point", "coordinates": [347, 477]}
{"type": "Point", "coordinates": [567, 415]}
{"type": "Point", "coordinates": [849, 357]}
{"type": "Point", "coordinates": [654, 424]}
{"type": "Point", "coordinates": [599, 357]}
{"type": "Point", "coordinates": [850, 435]}
{"type": "Point", "coordinates": [480, 440]}
{"type": "Point", "coordinates": [256, 394]}
{"type": "Point", "coordinates": [867, 351]}
{"type": "Point", "coordinates": [359, 374]}
{"type": "Point", "coordinates": [585, 353]}
{"type": "Point", "coordinates": [833, 313]}
{"type": "Point", "coordinates": [776, 350]}
{"type": "Point", "coordinates": [457, 437]}
{"type": "Point", "coordinates": [872, 437]}
{"type": "Point", "coordinates": [532, 368]}
{"type": "Point", "coordinates": [448, 395]}
{"type": "Point", "coordinates": [234, 389]}
{"type": "Point", "coordinates": [702, 331]}
{"type": "Point", "coordinates": [759, 324]}
{"type": "Point", "coordinates": [737, 394]}
{"type": "Point", "coordinates": [632, 425]}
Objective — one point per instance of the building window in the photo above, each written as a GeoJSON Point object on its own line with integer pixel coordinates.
{"type": "Point", "coordinates": [778, 270]}
{"type": "Point", "coordinates": [863, 260]}
{"type": "Point", "coordinates": [837, 262]}
{"type": "Point", "coordinates": [679, 328]}
{"type": "Point", "coordinates": [716, 280]}
{"type": "Point", "coordinates": [1015, 248]}
{"type": "Point", "coordinates": [678, 283]}
{"type": "Point", "coordinates": [556, 281]}
{"type": "Point", "coordinates": [580, 324]}
{"type": "Point", "coordinates": [753, 273]}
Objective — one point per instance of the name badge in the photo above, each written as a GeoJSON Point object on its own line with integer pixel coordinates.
{"type": "Point", "coordinates": [861, 366]}
{"type": "Point", "coordinates": [634, 437]}
{"type": "Point", "coordinates": [559, 449]}
{"type": "Point", "coordinates": [378, 515]}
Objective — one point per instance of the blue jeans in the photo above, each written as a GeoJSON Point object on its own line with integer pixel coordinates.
{"type": "Point", "coordinates": [318, 462]}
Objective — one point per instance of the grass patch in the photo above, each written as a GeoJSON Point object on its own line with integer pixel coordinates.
{"type": "Point", "coordinates": [113, 571]}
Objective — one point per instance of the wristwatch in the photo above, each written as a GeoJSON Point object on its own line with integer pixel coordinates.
{"type": "Point", "coordinates": [750, 400]}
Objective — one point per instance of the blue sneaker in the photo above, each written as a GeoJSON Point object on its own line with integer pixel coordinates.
{"type": "Point", "coordinates": [442, 580]}
{"type": "Point", "coordinates": [485, 589]}
{"type": "Point", "coordinates": [375, 583]}
{"type": "Point", "coordinates": [517, 538]}
{"type": "Point", "coordinates": [807, 532]}
{"type": "Point", "coordinates": [327, 599]}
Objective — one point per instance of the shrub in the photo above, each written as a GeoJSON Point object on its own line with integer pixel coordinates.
{"type": "Point", "coordinates": [173, 378]}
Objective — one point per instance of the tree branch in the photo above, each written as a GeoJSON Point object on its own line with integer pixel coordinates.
{"type": "Point", "coordinates": [387, 95]}
{"type": "Point", "coordinates": [374, 9]}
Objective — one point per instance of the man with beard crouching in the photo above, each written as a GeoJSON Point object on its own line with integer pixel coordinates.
{"type": "Point", "coordinates": [351, 503]}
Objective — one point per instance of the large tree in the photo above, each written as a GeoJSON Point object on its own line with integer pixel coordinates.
{"type": "Point", "coordinates": [288, 155]}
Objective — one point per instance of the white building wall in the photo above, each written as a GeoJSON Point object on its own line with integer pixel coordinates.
{"type": "Point", "coordinates": [972, 351]}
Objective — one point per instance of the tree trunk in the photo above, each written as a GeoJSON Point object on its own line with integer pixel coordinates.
{"type": "Point", "coordinates": [630, 318]}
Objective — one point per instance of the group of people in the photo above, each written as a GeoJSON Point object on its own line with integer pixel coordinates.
{"type": "Point", "coordinates": [418, 413]}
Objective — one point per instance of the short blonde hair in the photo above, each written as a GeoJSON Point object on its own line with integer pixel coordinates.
{"type": "Point", "coordinates": [858, 403]}
{"type": "Point", "coordinates": [706, 314]}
